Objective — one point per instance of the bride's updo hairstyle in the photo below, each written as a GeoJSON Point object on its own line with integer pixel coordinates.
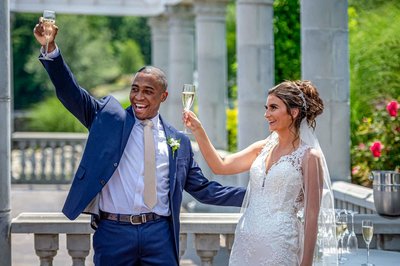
{"type": "Point", "coordinates": [303, 95]}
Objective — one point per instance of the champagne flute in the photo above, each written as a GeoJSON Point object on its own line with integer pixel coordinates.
{"type": "Point", "coordinates": [341, 227]}
{"type": "Point", "coordinates": [48, 20]}
{"type": "Point", "coordinates": [188, 93]}
{"type": "Point", "coordinates": [352, 242]}
{"type": "Point", "coordinates": [367, 232]}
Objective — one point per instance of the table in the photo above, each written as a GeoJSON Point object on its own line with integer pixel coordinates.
{"type": "Point", "coordinates": [377, 257]}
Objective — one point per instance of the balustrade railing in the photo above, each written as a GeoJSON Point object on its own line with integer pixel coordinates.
{"type": "Point", "coordinates": [42, 158]}
{"type": "Point", "coordinates": [208, 229]}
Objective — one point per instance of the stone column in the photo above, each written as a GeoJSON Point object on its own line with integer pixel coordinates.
{"type": "Point", "coordinates": [212, 68]}
{"type": "Point", "coordinates": [160, 48]}
{"type": "Point", "coordinates": [181, 58]}
{"type": "Point", "coordinates": [255, 53]}
{"type": "Point", "coordinates": [5, 135]}
{"type": "Point", "coordinates": [325, 61]}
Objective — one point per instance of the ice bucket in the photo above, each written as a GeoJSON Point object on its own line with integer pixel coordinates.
{"type": "Point", "coordinates": [386, 189]}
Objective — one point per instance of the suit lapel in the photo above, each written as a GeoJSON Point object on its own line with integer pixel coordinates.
{"type": "Point", "coordinates": [170, 133]}
{"type": "Point", "coordinates": [128, 124]}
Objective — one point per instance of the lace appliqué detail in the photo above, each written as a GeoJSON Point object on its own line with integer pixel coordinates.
{"type": "Point", "coordinates": [269, 232]}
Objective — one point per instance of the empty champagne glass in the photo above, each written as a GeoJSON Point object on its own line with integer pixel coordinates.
{"type": "Point", "coordinates": [368, 233]}
{"type": "Point", "coordinates": [48, 20]}
{"type": "Point", "coordinates": [352, 242]}
{"type": "Point", "coordinates": [188, 93]}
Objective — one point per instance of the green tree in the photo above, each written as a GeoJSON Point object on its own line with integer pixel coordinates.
{"type": "Point", "coordinates": [26, 89]}
{"type": "Point", "coordinates": [374, 58]}
{"type": "Point", "coordinates": [287, 33]}
{"type": "Point", "coordinates": [46, 117]}
{"type": "Point", "coordinates": [130, 56]}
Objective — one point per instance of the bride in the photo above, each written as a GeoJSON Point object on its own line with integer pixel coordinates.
{"type": "Point", "coordinates": [288, 214]}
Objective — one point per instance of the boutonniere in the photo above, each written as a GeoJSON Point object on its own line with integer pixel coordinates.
{"type": "Point", "coordinates": [174, 144]}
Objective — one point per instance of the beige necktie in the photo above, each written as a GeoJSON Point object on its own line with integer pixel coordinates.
{"type": "Point", "coordinates": [150, 193]}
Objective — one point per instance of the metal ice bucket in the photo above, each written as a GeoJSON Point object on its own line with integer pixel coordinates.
{"type": "Point", "coordinates": [386, 189]}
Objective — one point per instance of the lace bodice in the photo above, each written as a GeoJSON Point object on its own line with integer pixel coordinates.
{"type": "Point", "coordinates": [280, 189]}
{"type": "Point", "coordinates": [269, 232]}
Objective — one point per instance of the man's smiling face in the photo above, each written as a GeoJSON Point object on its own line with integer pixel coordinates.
{"type": "Point", "coordinates": [146, 95]}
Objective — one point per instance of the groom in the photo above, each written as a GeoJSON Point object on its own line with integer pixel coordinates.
{"type": "Point", "coordinates": [109, 183]}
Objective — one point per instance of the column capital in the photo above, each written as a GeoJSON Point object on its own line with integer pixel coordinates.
{"type": "Point", "coordinates": [182, 10]}
{"type": "Point", "coordinates": [210, 8]}
{"type": "Point", "coordinates": [159, 21]}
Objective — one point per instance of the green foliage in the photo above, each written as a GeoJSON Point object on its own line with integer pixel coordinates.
{"type": "Point", "coordinates": [51, 116]}
{"type": "Point", "coordinates": [287, 32]}
{"type": "Point", "coordinates": [87, 51]}
{"type": "Point", "coordinates": [132, 28]}
{"type": "Point", "coordinates": [130, 56]}
{"type": "Point", "coordinates": [231, 50]}
{"type": "Point", "coordinates": [374, 59]}
{"type": "Point", "coordinates": [26, 89]}
{"type": "Point", "coordinates": [231, 127]}
{"type": "Point", "coordinates": [379, 127]}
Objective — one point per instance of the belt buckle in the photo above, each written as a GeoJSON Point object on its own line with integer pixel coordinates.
{"type": "Point", "coordinates": [131, 220]}
{"type": "Point", "coordinates": [143, 219]}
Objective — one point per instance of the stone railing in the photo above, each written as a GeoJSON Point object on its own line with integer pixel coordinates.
{"type": "Point", "coordinates": [208, 229]}
{"type": "Point", "coordinates": [45, 158]}
{"type": "Point", "coordinates": [353, 197]}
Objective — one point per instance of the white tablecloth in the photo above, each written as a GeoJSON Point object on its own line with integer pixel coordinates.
{"type": "Point", "coordinates": [377, 257]}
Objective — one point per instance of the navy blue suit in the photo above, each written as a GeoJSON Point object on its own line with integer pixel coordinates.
{"type": "Point", "coordinates": [109, 127]}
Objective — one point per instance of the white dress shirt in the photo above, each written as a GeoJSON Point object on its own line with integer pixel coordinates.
{"type": "Point", "coordinates": [123, 193]}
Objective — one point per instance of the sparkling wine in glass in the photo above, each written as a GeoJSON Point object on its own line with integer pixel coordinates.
{"type": "Point", "coordinates": [367, 232]}
{"type": "Point", "coordinates": [188, 93]}
{"type": "Point", "coordinates": [341, 228]}
{"type": "Point", "coordinates": [48, 20]}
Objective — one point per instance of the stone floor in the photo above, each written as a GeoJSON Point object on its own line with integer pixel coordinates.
{"type": "Point", "coordinates": [48, 198]}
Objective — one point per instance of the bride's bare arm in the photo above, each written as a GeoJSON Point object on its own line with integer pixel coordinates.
{"type": "Point", "coordinates": [313, 184]}
{"type": "Point", "coordinates": [231, 164]}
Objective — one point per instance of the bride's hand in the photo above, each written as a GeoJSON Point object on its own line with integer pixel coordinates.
{"type": "Point", "coordinates": [191, 121]}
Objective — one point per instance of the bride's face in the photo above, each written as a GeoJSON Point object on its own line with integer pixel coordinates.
{"type": "Point", "coordinates": [277, 114]}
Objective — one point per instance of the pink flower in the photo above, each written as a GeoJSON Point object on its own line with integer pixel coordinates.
{"type": "Point", "coordinates": [392, 107]}
{"type": "Point", "coordinates": [355, 169]}
{"type": "Point", "coordinates": [376, 149]}
{"type": "Point", "coordinates": [362, 146]}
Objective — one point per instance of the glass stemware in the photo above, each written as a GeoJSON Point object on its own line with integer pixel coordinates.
{"type": "Point", "coordinates": [341, 227]}
{"type": "Point", "coordinates": [352, 242]}
{"type": "Point", "coordinates": [368, 233]}
{"type": "Point", "coordinates": [48, 20]}
{"type": "Point", "coordinates": [188, 93]}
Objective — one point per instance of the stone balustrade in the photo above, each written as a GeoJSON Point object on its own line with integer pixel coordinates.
{"type": "Point", "coordinates": [43, 157]}
{"type": "Point", "coordinates": [209, 230]}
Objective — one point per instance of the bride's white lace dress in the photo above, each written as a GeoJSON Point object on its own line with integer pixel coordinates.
{"type": "Point", "coordinates": [269, 232]}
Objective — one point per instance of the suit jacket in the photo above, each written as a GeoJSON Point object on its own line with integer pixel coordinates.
{"type": "Point", "coordinates": [109, 127]}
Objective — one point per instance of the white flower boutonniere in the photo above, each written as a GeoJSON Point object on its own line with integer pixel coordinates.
{"type": "Point", "coordinates": [174, 144]}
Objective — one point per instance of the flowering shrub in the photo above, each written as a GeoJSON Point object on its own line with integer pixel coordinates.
{"type": "Point", "coordinates": [377, 145]}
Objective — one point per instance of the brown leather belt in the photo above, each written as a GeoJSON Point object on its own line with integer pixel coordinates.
{"type": "Point", "coordinates": [132, 219]}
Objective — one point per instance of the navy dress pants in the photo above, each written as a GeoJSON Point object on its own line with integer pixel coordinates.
{"type": "Point", "coordinates": [149, 244]}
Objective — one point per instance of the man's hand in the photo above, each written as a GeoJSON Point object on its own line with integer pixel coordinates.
{"type": "Point", "coordinates": [38, 31]}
